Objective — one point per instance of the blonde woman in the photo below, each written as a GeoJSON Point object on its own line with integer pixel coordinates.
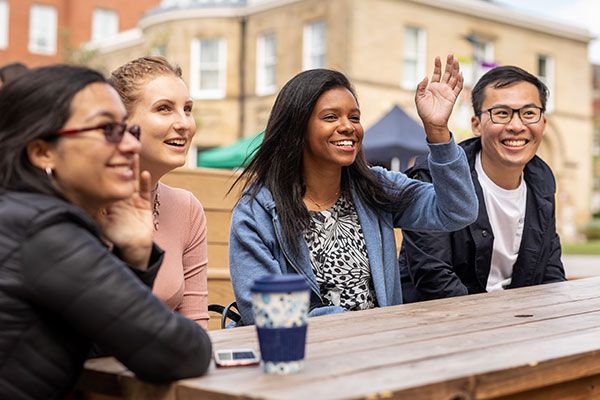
{"type": "Point", "coordinates": [158, 100]}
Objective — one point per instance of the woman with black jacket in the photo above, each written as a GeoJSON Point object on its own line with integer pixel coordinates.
{"type": "Point", "coordinates": [68, 185]}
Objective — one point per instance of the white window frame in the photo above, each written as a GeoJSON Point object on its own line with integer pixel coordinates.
{"type": "Point", "coordinates": [264, 88]}
{"type": "Point", "coordinates": [483, 51]}
{"type": "Point", "coordinates": [548, 78]}
{"type": "Point", "coordinates": [196, 70]}
{"type": "Point", "coordinates": [100, 17]}
{"type": "Point", "coordinates": [312, 48]}
{"type": "Point", "coordinates": [418, 58]}
{"type": "Point", "coordinates": [4, 18]}
{"type": "Point", "coordinates": [486, 51]}
{"type": "Point", "coordinates": [50, 48]}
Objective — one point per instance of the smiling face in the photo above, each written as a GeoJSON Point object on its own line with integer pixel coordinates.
{"type": "Point", "coordinates": [164, 113]}
{"type": "Point", "coordinates": [90, 171]}
{"type": "Point", "coordinates": [334, 133]}
{"type": "Point", "coordinates": [510, 146]}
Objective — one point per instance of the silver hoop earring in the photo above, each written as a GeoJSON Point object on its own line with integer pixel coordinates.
{"type": "Point", "coordinates": [49, 172]}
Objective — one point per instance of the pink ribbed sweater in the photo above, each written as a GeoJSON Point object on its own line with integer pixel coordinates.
{"type": "Point", "coordinates": [181, 282]}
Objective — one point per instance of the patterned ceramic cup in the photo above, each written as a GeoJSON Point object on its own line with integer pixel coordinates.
{"type": "Point", "coordinates": [280, 304]}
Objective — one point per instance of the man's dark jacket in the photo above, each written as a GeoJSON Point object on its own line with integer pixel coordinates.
{"type": "Point", "coordinates": [62, 290]}
{"type": "Point", "coordinates": [438, 265]}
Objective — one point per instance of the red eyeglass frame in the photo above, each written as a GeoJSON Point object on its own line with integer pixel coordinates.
{"type": "Point", "coordinates": [107, 129]}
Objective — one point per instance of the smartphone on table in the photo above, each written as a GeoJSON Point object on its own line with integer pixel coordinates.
{"type": "Point", "coordinates": [235, 357]}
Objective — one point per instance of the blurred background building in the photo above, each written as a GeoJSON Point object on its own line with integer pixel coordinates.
{"type": "Point", "coordinates": [39, 32]}
{"type": "Point", "coordinates": [237, 54]}
{"type": "Point", "coordinates": [596, 148]}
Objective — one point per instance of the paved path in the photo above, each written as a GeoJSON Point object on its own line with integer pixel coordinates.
{"type": "Point", "coordinates": [581, 266]}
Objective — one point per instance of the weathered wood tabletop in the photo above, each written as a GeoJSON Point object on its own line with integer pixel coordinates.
{"type": "Point", "coordinates": [539, 342]}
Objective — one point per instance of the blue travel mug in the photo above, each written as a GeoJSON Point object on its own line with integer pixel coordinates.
{"type": "Point", "coordinates": [280, 304]}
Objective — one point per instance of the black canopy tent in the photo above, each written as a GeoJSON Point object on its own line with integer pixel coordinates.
{"type": "Point", "coordinates": [395, 135]}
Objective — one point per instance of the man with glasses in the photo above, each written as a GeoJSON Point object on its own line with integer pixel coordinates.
{"type": "Point", "coordinates": [514, 242]}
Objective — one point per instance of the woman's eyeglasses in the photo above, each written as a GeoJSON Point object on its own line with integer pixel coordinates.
{"type": "Point", "coordinates": [113, 131]}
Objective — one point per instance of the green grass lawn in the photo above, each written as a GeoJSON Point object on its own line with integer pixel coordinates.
{"type": "Point", "coordinates": [587, 248]}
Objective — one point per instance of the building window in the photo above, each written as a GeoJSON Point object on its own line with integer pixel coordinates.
{"type": "Point", "coordinates": [482, 61]}
{"type": "Point", "coordinates": [3, 24]}
{"type": "Point", "coordinates": [545, 71]}
{"type": "Point", "coordinates": [105, 23]}
{"type": "Point", "coordinates": [484, 54]}
{"type": "Point", "coordinates": [413, 68]}
{"type": "Point", "coordinates": [42, 29]}
{"type": "Point", "coordinates": [209, 62]}
{"type": "Point", "coordinates": [314, 45]}
{"type": "Point", "coordinates": [266, 63]}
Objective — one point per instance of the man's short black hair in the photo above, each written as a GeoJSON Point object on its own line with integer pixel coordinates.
{"type": "Point", "coordinates": [504, 76]}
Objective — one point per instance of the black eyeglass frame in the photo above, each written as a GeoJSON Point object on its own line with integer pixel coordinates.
{"type": "Point", "coordinates": [110, 134]}
{"type": "Point", "coordinates": [513, 110]}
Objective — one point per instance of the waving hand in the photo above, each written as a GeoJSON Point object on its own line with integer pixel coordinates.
{"type": "Point", "coordinates": [435, 101]}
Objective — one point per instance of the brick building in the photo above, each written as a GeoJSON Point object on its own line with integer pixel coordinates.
{"type": "Point", "coordinates": [38, 32]}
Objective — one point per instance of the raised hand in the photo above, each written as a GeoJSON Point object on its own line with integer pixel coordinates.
{"type": "Point", "coordinates": [128, 223]}
{"type": "Point", "coordinates": [435, 101]}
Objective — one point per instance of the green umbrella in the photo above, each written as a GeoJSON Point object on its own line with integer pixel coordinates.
{"type": "Point", "coordinates": [233, 156]}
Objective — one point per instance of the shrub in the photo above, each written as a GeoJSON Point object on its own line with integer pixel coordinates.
{"type": "Point", "coordinates": [591, 230]}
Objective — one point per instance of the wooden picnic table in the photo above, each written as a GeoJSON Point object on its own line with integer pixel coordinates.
{"type": "Point", "coordinates": [539, 342]}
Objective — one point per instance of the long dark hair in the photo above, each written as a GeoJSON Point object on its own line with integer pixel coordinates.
{"type": "Point", "coordinates": [277, 163]}
{"type": "Point", "coordinates": [33, 105]}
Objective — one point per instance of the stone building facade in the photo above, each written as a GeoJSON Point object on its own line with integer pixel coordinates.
{"type": "Point", "coordinates": [236, 54]}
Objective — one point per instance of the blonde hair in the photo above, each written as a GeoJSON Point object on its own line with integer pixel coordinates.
{"type": "Point", "coordinates": [129, 78]}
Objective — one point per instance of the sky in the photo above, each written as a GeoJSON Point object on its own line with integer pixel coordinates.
{"type": "Point", "coordinates": [579, 13]}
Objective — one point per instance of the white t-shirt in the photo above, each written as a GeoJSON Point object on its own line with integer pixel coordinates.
{"type": "Point", "coordinates": [506, 213]}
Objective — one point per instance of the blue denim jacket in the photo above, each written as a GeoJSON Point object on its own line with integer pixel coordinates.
{"type": "Point", "coordinates": [257, 246]}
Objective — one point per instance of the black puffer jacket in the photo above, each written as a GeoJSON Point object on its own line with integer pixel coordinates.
{"type": "Point", "coordinates": [61, 290]}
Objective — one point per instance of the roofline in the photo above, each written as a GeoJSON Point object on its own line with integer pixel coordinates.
{"type": "Point", "coordinates": [123, 40]}
{"type": "Point", "coordinates": [133, 37]}
{"type": "Point", "coordinates": [490, 11]}
{"type": "Point", "coordinates": [157, 16]}
{"type": "Point", "coordinates": [480, 9]}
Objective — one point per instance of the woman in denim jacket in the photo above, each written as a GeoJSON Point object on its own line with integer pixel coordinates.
{"type": "Point", "coordinates": [312, 206]}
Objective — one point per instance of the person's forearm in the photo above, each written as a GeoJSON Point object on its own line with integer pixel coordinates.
{"type": "Point", "coordinates": [136, 256]}
{"type": "Point", "coordinates": [437, 134]}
